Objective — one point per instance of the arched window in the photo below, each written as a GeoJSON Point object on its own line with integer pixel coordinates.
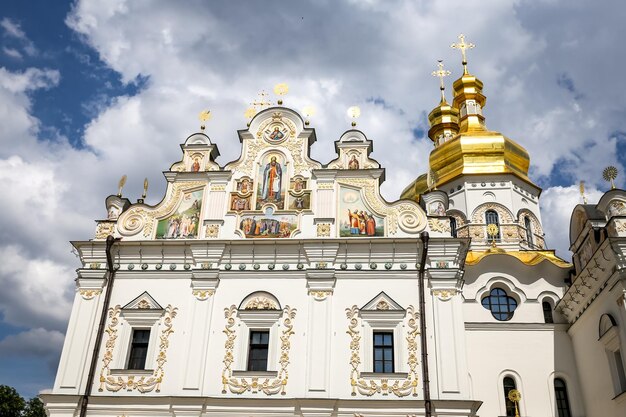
{"type": "Point", "coordinates": [529, 231]}
{"type": "Point", "coordinates": [491, 217]}
{"type": "Point", "coordinates": [547, 312]}
{"type": "Point", "coordinates": [562, 402]}
{"type": "Point", "coordinates": [509, 384]}
{"type": "Point", "coordinates": [453, 226]}
{"type": "Point", "coordinates": [500, 304]}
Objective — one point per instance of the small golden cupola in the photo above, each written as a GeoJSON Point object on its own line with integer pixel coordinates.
{"type": "Point", "coordinates": [443, 119]}
{"type": "Point", "coordinates": [473, 149]}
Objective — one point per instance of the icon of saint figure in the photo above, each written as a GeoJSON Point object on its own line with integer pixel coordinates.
{"type": "Point", "coordinates": [196, 165]}
{"type": "Point", "coordinates": [353, 163]}
{"type": "Point", "coordinates": [272, 180]}
{"type": "Point", "coordinates": [277, 134]}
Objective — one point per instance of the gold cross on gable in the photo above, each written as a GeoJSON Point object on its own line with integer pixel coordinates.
{"type": "Point", "coordinates": [262, 100]}
{"type": "Point", "coordinates": [441, 73]}
{"type": "Point", "coordinates": [463, 46]}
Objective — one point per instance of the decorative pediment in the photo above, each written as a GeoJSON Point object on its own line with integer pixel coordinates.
{"type": "Point", "coordinates": [198, 155]}
{"type": "Point", "coordinates": [260, 300]}
{"type": "Point", "coordinates": [382, 302]}
{"type": "Point", "coordinates": [274, 190]}
{"type": "Point", "coordinates": [143, 302]}
{"type": "Point", "coordinates": [354, 150]}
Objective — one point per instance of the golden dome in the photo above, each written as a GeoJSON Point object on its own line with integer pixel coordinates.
{"type": "Point", "coordinates": [474, 150]}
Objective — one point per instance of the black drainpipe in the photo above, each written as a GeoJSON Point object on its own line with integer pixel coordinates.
{"type": "Point", "coordinates": [422, 288]}
{"type": "Point", "coordinates": [103, 318]}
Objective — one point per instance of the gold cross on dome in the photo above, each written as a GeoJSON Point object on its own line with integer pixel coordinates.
{"type": "Point", "coordinates": [441, 73]}
{"type": "Point", "coordinates": [463, 46]}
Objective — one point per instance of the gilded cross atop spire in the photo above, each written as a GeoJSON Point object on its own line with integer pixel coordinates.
{"type": "Point", "coordinates": [441, 73]}
{"type": "Point", "coordinates": [463, 46]}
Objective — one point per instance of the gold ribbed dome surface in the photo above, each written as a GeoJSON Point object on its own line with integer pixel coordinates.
{"type": "Point", "coordinates": [463, 145]}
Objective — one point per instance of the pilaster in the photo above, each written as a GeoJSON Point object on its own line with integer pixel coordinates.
{"type": "Point", "coordinates": [204, 283]}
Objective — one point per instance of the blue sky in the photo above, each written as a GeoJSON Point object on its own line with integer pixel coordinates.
{"type": "Point", "coordinates": [91, 90]}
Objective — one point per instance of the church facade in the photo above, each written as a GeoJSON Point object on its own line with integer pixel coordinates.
{"type": "Point", "coordinates": [276, 285]}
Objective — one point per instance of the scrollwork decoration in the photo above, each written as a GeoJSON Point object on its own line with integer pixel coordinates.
{"type": "Point", "coordinates": [268, 386]}
{"type": "Point", "coordinates": [142, 384]}
{"type": "Point", "coordinates": [400, 388]}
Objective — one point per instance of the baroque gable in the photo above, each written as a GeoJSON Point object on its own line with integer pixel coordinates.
{"type": "Point", "coordinates": [274, 190]}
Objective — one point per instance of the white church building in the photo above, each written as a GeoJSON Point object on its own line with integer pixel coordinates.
{"type": "Point", "coordinates": [277, 285]}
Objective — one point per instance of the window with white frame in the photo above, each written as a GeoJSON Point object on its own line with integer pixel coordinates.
{"type": "Point", "coordinates": [259, 313]}
{"type": "Point", "coordinates": [382, 320]}
{"type": "Point", "coordinates": [140, 321]}
{"type": "Point", "coordinates": [609, 336]}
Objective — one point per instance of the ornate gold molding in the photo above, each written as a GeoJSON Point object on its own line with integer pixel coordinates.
{"type": "Point", "coordinates": [218, 187]}
{"type": "Point", "coordinates": [260, 303]}
{"type": "Point", "coordinates": [444, 295]}
{"type": "Point", "coordinates": [142, 384]}
{"type": "Point", "coordinates": [104, 229]}
{"type": "Point", "coordinates": [88, 294]}
{"type": "Point", "coordinates": [212, 230]}
{"type": "Point", "coordinates": [437, 225]}
{"type": "Point", "coordinates": [325, 185]}
{"type": "Point", "coordinates": [267, 386]}
{"type": "Point", "coordinates": [203, 294]}
{"type": "Point", "coordinates": [320, 295]}
{"type": "Point", "coordinates": [323, 230]}
{"type": "Point", "coordinates": [400, 388]}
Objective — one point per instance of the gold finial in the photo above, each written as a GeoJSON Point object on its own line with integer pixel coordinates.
{"type": "Point", "coordinates": [609, 174]}
{"type": "Point", "coordinates": [515, 396]}
{"type": "Point", "coordinates": [463, 46]}
{"type": "Point", "coordinates": [354, 112]}
{"type": "Point", "coordinates": [308, 112]}
{"type": "Point", "coordinates": [280, 90]}
{"type": "Point", "coordinates": [204, 116]}
{"type": "Point", "coordinates": [581, 187]}
{"type": "Point", "coordinates": [441, 73]}
{"type": "Point", "coordinates": [492, 232]}
{"type": "Point", "coordinates": [145, 189]}
{"type": "Point", "coordinates": [120, 185]}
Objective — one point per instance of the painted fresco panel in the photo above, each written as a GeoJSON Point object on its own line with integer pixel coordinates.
{"type": "Point", "coordinates": [268, 225]}
{"type": "Point", "coordinates": [272, 181]}
{"type": "Point", "coordinates": [355, 218]}
{"type": "Point", "coordinates": [184, 222]}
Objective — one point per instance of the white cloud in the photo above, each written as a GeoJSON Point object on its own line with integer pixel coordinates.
{"type": "Point", "coordinates": [12, 29]}
{"type": "Point", "coordinates": [13, 53]}
{"type": "Point", "coordinates": [34, 342]}
{"type": "Point", "coordinates": [557, 205]}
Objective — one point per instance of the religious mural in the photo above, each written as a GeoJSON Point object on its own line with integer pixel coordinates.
{"type": "Point", "coordinates": [298, 184]}
{"type": "Point", "coordinates": [244, 185]}
{"type": "Point", "coordinates": [184, 222]}
{"type": "Point", "coordinates": [300, 201]}
{"type": "Point", "coordinates": [238, 203]}
{"type": "Point", "coordinates": [271, 188]}
{"type": "Point", "coordinates": [356, 219]}
{"type": "Point", "coordinates": [268, 225]}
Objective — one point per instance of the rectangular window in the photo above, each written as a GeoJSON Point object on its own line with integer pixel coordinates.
{"type": "Point", "coordinates": [383, 352]}
{"type": "Point", "coordinates": [257, 354]}
{"type": "Point", "coordinates": [139, 349]}
{"type": "Point", "coordinates": [619, 365]}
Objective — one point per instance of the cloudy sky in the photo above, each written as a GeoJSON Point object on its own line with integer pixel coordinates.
{"type": "Point", "coordinates": [91, 90]}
